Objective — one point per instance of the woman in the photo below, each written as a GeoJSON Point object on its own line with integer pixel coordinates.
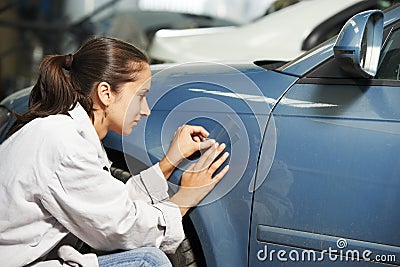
{"type": "Point", "coordinates": [55, 185]}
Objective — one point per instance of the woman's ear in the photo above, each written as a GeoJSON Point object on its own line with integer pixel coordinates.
{"type": "Point", "coordinates": [104, 93]}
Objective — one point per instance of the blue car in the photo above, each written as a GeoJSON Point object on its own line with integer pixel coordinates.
{"type": "Point", "coordinates": [314, 143]}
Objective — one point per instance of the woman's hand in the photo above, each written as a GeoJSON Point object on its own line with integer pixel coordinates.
{"type": "Point", "coordinates": [187, 140]}
{"type": "Point", "coordinates": [197, 181]}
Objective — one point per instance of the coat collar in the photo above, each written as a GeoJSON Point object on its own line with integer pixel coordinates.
{"type": "Point", "coordinates": [87, 130]}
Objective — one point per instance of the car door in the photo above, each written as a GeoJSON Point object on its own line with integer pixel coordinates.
{"type": "Point", "coordinates": [332, 194]}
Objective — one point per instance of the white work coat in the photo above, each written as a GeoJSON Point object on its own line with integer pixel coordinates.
{"type": "Point", "coordinates": [53, 182]}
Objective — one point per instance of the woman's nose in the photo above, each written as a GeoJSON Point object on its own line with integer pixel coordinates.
{"type": "Point", "coordinates": [145, 110]}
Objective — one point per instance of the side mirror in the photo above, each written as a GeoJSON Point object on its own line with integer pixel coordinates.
{"type": "Point", "coordinates": [358, 44]}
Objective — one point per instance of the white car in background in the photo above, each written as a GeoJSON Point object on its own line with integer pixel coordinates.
{"type": "Point", "coordinates": [281, 35]}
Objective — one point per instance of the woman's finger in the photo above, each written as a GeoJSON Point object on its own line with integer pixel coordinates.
{"type": "Point", "coordinates": [221, 174]}
{"type": "Point", "coordinates": [196, 138]}
{"type": "Point", "coordinates": [218, 163]}
{"type": "Point", "coordinates": [191, 168]}
{"type": "Point", "coordinates": [200, 165]}
{"type": "Point", "coordinates": [206, 144]}
{"type": "Point", "coordinates": [213, 156]}
{"type": "Point", "coordinates": [197, 130]}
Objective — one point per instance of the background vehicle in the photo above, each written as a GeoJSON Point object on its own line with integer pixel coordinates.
{"type": "Point", "coordinates": [314, 156]}
{"type": "Point", "coordinates": [34, 28]}
{"type": "Point", "coordinates": [139, 27]}
{"type": "Point", "coordinates": [282, 35]}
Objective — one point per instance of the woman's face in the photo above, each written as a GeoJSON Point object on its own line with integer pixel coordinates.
{"type": "Point", "coordinates": [130, 103]}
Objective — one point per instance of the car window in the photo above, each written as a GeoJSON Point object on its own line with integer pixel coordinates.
{"type": "Point", "coordinates": [389, 63]}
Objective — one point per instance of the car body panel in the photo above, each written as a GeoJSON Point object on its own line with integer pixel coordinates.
{"type": "Point", "coordinates": [356, 171]}
{"type": "Point", "coordinates": [223, 225]}
{"type": "Point", "coordinates": [345, 146]}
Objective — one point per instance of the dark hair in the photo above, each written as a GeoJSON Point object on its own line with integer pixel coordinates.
{"type": "Point", "coordinates": [100, 59]}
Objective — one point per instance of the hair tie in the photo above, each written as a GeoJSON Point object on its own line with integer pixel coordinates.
{"type": "Point", "coordinates": [68, 62]}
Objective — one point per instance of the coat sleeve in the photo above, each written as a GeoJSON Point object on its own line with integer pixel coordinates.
{"type": "Point", "coordinates": [150, 186]}
{"type": "Point", "coordinates": [107, 214]}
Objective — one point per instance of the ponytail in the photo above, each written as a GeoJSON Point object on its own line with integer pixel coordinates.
{"type": "Point", "coordinates": [52, 94]}
{"type": "Point", "coordinates": [66, 80]}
